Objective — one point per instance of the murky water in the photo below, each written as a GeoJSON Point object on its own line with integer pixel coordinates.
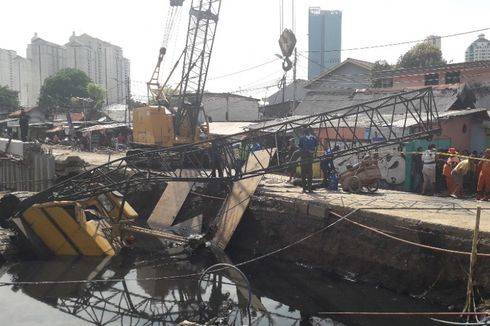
{"type": "Point", "coordinates": [162, 290]}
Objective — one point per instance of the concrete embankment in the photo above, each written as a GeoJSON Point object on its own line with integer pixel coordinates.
{"type": "Point", "coordinates": [280, 214]}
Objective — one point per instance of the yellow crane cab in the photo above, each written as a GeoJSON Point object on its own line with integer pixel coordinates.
{"type": "Point", "coordinates": [70, 228]}
{"type": "Point", "coordinates": [153, 126]}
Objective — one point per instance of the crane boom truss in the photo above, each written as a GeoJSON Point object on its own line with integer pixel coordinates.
{"type": "Point", "coordinates": [203, 21]}
{"type": "Point", "coordinates": [398, 118]}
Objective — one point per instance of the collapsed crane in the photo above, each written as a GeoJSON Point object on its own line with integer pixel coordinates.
{"type": "Point", "coordinates": [413, 112]}
{"type": "Point", "coordinates": [396, 119]}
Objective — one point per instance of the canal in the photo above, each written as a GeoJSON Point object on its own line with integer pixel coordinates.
{"type": "Point", "coordinates": [164, 289]}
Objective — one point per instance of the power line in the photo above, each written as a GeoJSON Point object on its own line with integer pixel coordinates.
{"type": "Point", "coordinates": [244, 70]}
{"type": "Point", "coordinates": [399, 43]}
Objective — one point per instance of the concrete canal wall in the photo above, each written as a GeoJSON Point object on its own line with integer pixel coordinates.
{"type": "Point", "coordinates": [360, 254]}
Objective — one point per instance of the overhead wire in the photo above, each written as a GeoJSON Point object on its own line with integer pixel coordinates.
{"type": "Point", "coordinates": [243, 70]}
{"type": "Point", "coordinates": [401, 43]}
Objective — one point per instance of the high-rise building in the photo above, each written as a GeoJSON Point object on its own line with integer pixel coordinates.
{"type": "Point", "coordinates": [6, 68]}
{"type": "Point", "coordinates": [324, 40]}
{"type": "Point", "coordinates": [479, 50]}
{"type": "Point", "coordinates": [103, 62]}
{"type": "Point", "coordinates": [22, 81]}
{"type": "Point", "coordinates": [45, 59]}
{"type": "Point", "coordinates": [14, 73]}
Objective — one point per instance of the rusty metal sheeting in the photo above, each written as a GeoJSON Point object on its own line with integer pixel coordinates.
{"type": "Point", "coordinates": [36, 173]}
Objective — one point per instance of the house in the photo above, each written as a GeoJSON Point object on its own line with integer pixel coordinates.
{"type": "Point", "coordinates": [348, 75]}
{"type": "Point", "coordinates": [343, 79]}
{"type": "Point", "coordinates": [475, 75]}
{"type": "Point", "coordinates": [37, 123]}
{"type": "Point", "coordinates": [35, 114]}
{"type": "Point", "coordinates": [230, 107]}
{"type": "Point", "coordinates": [289, 93]}
{"type": "Point", "coordinates": [282, 103]}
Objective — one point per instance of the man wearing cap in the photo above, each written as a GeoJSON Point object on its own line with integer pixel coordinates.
{"type": "Point", "coordinates": [429, 170]}
{"type": "Point", "coordinates": [483, 187]}
{"type": "Point", "coordinates": [307, 146]}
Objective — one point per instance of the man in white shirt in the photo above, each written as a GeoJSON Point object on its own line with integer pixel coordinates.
{"type": "Point", "coordinates": [429, 170]}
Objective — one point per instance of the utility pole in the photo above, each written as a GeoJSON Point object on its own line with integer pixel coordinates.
{"type": "Point", "coordinates": [284, 88]}
{"type": "Point", "coordinates": [294, 79]}
{"type": "Point", "coordinates": [127, 112]}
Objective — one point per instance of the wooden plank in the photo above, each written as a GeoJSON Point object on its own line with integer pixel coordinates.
{"type": "Point", "coordinates": [237, 201]}
{"type": "Point", "coordinates": [170, 203]}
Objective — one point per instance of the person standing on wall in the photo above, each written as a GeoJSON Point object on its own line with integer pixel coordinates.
{"type": "Point", "coordinates": [450, 164]}
{"type": "Point", "coordinates": [307, 145]}
{"type": "Point", "coordinates": [24, 125]}
{"type": "Point", "coordinates": [417, 167]}
{"type": "Point", "coordinates": [483, 187]}
{"type": "Point", "coordinates": [458, 173]}
{"type": "Point", "coordinates": [429, 170]}
{"type": "Point", "coordinates": [327, 165]}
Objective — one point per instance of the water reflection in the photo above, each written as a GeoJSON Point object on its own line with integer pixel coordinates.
{"type": "Point", "coordinates": [130, 291]}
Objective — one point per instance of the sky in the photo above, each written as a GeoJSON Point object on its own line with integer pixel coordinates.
{"type": "Point", "coordinates": [243, 59]}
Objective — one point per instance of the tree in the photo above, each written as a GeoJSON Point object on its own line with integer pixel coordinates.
{"type": "Point", "coordinates": [58, 90]}
{"type": "Point", "coordinates": [9, 99]}
{"type": "Point", "coordinates": [378, 78]}
{"type": "Point", "coordinates": [97, 93]}
{"type": "Point", "coordinates": [421, 55]}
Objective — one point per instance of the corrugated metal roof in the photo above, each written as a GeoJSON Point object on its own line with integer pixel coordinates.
{"type": "Point", "coordinates": [102, 127]}
{"type": "Point", "coordinates": [321, 102]}
{"type": "Point", "coordinates": [445, 115]}
{"type": "Point", "coordinates": [227, 128]}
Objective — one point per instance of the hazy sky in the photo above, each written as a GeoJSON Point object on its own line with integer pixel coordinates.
{"type": "Point", "coordinates": [247, 32]}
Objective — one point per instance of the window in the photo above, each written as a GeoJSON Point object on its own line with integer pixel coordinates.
{"type": "Point", "coordinates": [431, 79]}
{"type": "Point", "coordinates": [383, 83]}
{"type": "Point", "coordinates": [452, 77]}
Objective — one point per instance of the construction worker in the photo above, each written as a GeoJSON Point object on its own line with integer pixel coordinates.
{"type": "Point", "coordinates": [24, 125]}
{"type": "Point", "coordinates": [416, 171]}
{"type": "Point", "coordinates": [307, 145]}
{"type": "Point", "coordinates": [458, 174]}
{"type": "Point", "coordinates": [483, 187]}
{"type": "Point", "coordinates": [429, 170]}
{"type": "Point", "coordinates": [450, 164]}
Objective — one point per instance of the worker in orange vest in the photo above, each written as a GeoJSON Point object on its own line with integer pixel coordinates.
{"type": "Point", "coordinates": [450, 164]}
{"type": "Point", "coordinates": [483, 187]}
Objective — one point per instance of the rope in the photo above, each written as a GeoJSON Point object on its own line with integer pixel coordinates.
{"type": "Point", "coordinates": [457, 252]}
{"type": "Point", "coordinates": [403, 313]}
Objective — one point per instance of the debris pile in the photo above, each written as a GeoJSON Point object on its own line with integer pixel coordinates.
{"type": "Point", "coordinates": [69, 165]}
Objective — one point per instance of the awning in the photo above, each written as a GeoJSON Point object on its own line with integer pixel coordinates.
{"type": "Point", "coordinates": [56, 129]}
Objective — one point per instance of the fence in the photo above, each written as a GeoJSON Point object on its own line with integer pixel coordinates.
{"type": "Point", "coordinates": [35, 172]}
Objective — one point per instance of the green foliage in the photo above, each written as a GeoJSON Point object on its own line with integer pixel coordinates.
{"type": "Point", "coordinates": [98, 94]}
{"type": "Point", "coordinates": [421, 55]}
{"type": "Point", "coordinates": [378, 80]}
{"type": "Point", "coordinates": [9, 99]}
{"type": "Point", "coordinates": [58, 90]}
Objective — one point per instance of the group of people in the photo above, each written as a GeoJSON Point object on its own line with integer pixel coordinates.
{"type": "Point", "coordinates": [461, 172]}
